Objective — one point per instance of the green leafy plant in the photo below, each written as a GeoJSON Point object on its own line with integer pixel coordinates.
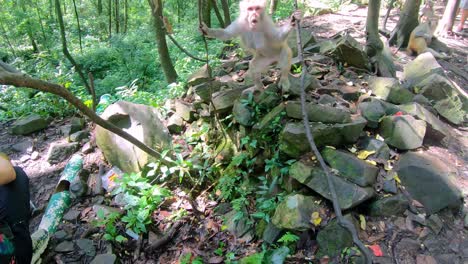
{"type": "Point", "coordinates": [288, 239]}
{"type": "Point", "coordinates": [109, 222]}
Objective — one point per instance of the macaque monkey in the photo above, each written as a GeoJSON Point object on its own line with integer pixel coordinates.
{"type": "Point", "coordinates": [260, 36]}
{"type": "Point", "coordinates": [422, 35]}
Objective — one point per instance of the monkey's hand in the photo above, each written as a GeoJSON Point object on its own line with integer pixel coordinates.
{"type": "Point", "coordinates": [203, 28]}
{"type": "Point", "coordinates": [295, 17]}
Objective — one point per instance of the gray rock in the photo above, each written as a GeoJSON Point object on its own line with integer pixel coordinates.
{"type": "Point", "coordinates": [77, 124]}
{"type": "Point", "coordinates": [310, 83]}
{"type": "Point", "coordinates": [294, 212]}
{"type": "Point", "coordinates": [65, 247]}
{"type": "Point", "coordinates": [421, 67]}
{"type": "Point", "coordinates": [445, 98]}
{"type": "Point", "coordinates": [78, 136]}
{"type": "Point", "coordinates": [333, 239]}
{"type": "Point", "coordinates": [349, 194]}
{"type": "Point", "coordinates": [87, 148]}
{"type": "Point", "coordinates": [350, 167]}
{"type": "Point", "coordinates": [61, 235]}
{"type": "Point", "coordinates": [238, 227]}
{"type": "Point", "coordinates": [271, 233]}
{"type": "Point", "coordinates": [243, 113]}
{"type": "Point", "coordinates": [28, 125]}
{"type": "Point", "coordinates": [104, 259]}
{"type": "Point", "coordinates": [95, 185]}
{"type": "Point", "coordinates": [87, 246]}
{"type": "Point", "coordinates": [389, 206]}
{"type": "Point", "coordinates": [349, 51]}
{"type": "Point", "coordinates": [140, 121]}
{"type": "Point", "coordinates": [318, 113]}
{"type": "Point", "coordinates": [436, 127]}
{"type": "Point", "coordinates": [403, 132]}
{"type": "Point", "coordinates": [435, 223]}
{"type": "Point", "coordinates": [374, 109]}
{"type": "Point", "coordinates": [327, 99]}
{"type": "Point", "coordinates": [306, 37]}
{"type": "Point", "coordinates": [71, 215]}
{"type": "Point", "coordinates": [23, 146]}
{"type": "Point", "coordinates": [200, 76]}
{"type": "Point", "coordinates": [390, 186]}
{"type": "Point", "coordinates": [175, 124]}
{"type": "Point", "coordinates": [224, 100]}
{"type": "Point", "coordinates": [389, 89]}
{"type": "Point", "coordinates": [269, 119]}
{"type": "Point", "coordinates": [184, 110]}
{"type": "Point", "coordinates": [382, 151]}
{"type": "Point", "coordinates": [59, 152]}
{"type": "Point", "coordinates": [429, 181]}
{"type": "Point", "coordinates": [293, 140]}
{"type": "Point", "coordinates": [205, 90]}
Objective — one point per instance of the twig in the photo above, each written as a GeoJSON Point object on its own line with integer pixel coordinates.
{"type": "Point", "coordinates": [184, 50]}
{"type": "Point", "coordinates": [166, 238]}
{"type": "Point", "coordinates": [341, 220]}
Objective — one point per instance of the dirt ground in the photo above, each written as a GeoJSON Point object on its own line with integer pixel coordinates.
{"type": "Point", "coordinates": [398, 233]}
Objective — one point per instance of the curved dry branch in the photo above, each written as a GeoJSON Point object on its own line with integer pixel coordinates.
{"type": "Point", "coordinates": [11, 76]}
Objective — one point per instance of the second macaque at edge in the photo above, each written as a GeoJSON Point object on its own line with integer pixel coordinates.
{"type": "Point", "coordinates": [261, 37]}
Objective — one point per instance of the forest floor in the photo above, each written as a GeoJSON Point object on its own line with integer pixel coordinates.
{"type": "Point", "coordinates": [203, 238]}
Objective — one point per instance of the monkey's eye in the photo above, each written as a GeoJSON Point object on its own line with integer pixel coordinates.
{"type": "Point", "coordinates": [250, 8]}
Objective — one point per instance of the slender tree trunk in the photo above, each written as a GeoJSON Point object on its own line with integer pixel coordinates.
{"type": "Point", "coordinates": [206, 12]}
{"type": "Point", "coordinates": [446, 23]}
{"type": "Point", "coordinates": [78, 25]}
{"type": "Point", "coordinates": [5, 36]}
{"type": "Point", "coordinates": [379, 55]}
{"type": "Point", "coordinates": [110, 17]}
{"type": "Point", "coordinates": [273, 6]}
{"type": "Point", "coordinates": [29, 29]}
{"type": "Point", "coordinates": [41, 22]}
{"type": "Point", "coordinates": [65, 48]}
{"type": "Point", "coordinates": [218, 14]}
{"type": "Point", "coordinates": [227, 15]}
{"type": "Point", "coordinates": [390, 7]}
{"type": "Point", "coordinates": [164, 57]}
{"type": "Point", "coordinates": [126, 16]}
{"type": "Point", "coordinates": [51, 10]}
{"type": "Point", "coordinates": [117, 16]}
{"type": "Point", "coordinates": [99, 7]}
{"type": "Point", "coordinates": [408, 21]}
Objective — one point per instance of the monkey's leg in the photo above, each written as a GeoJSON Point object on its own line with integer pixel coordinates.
{"type": "Point", "coordinates": [436, 54]}
{"type": "Point", "coordinates": [284, 64]}
{"type": "Point", "coordinates": [257, 66]}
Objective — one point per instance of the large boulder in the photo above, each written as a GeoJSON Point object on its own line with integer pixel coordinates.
{"type": "Point", "coordinates": [389, 206]}
{"type": "Point", "coordinates": [445, 98]}
{"type": "Point", "coordinates": [294, 212]}
{"type": "Point", "coordinates": [223, 101]}
{"type": "Point", "coordinates": [437, 127]}
{"type": "Point", "coordinates": [293, 140]}
{"type": "Point", "coordinates": [140, 121]}
{"type": "Point", "coordinates": [421, 67]}
{"type": "Point", "coordinates": [318, 112]}
{"type": "Point", "coordinates": [429, 181]}
{"type": "Point", "coordinates": [333, 239]}
{"type": "Point", "coordinates": [374, 109]}
{"type": "Point", "coordinates": [349, 194]}
{"type": "Point", "coordinates": [28, 125]}
{"type": "Point", "coordinates": [389, 89]}
{"type": "Point", "coordinates": [403, 132]}
{"type": "Point", "coordinates": [350, 167]}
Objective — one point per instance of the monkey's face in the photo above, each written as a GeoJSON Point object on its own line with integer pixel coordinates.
{"type": "Point", "coordinates": [254, 15]}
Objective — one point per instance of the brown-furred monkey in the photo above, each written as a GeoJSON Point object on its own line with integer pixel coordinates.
{"type": "Point", "coordinates": [261, 37]}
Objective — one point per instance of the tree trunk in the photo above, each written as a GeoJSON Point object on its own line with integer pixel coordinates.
{"type": "Point", "coordinates": [446, 23]}
{"type": "Point", "coordinates": [408, 21]}
{"type": "Point", "coordinates": [206, 12]}
{"type": "Point", "coordinates": [273, 6]}
{"type": "Point", "coordinates": [227, 15]}
{"type": "Point", "coordinates": [164, 57]}
{"type": "Point", "coordinates": [218, 14]}
{"type": "Point", "coordinates": [41, 22]}
{"type": "Point", "coordinates": [51, 10]}
{"type": "Point", "coordinates": [78, 25]}
{"type": "Point", "coordinates": [117, 16]}
{"type": "Point", "coordinates": [110, 17]}
{"type": "Point", "coordinates": [380, 57]}
{"type": "Point", "coordinates": [5, 36]}
{"type": "Point", "coordinates": [99, 7]}
{"type": "Point", "coordinates": [126, 16]}
{"type": "Point", "coordinates": [29, 29]}
{"type": "Point", "coordinates": [65, 48]}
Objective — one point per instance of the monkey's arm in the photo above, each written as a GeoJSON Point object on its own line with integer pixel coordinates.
{"type": "Point", "coordinates": [281, 33]}
{"type": "Point", "coordinates": [232, 31]}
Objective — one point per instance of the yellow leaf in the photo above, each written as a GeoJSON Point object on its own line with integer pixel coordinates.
{"type": "Point", "coordinates": [316, 219]}
{"type": "Point", "coordinates": [363, 154]}
{"type": "Point", "coordinates": [332, 147]}
{"type": "Point", "coordinates": [371, 162]}
{"type": "Point", "coordinates": [397, 179]}
{"type": "Point", "coordinates": [379, 137]}
{"type": "Point", "coordinates": [362, 220]}
{"type": "Point", "coordinates": [352, 150]}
